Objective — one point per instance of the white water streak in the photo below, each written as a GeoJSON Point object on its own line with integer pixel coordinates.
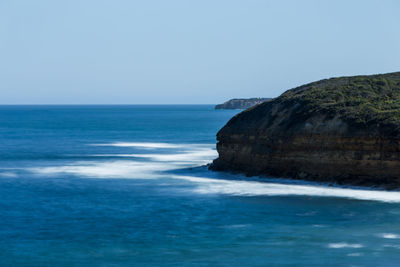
{"type": "Point", "coordinates": [200, 157]}
{"type": "Point", "coordinates": [344, 245]}
{"type": "Point", "coordinates": [255, 188]}
{"type": "Point", "coordinates": [390, 236]}
{"type": "Point", "coordinates": [141, 145]}
{"type": "Point", "coordinates": [109, 169]}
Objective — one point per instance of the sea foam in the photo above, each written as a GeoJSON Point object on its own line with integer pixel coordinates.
{"type": "Point", "coordinates": [258, 188]}
{"type": "Point", "coordinates": [390, 236]}
{"type": "Point", "coordinates": [344, 245]}
{"type": "Point", "coordinates": [140, 144]}
{"type": "Point", "coordinates": [188, 156]}
{"type": "Point", "coordinates": [109, 169]}
{"type": "Point", "coordinates": [196, 157]}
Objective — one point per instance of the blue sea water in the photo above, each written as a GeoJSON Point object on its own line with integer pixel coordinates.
{"type": "Point", "coordinates": [127, 186]}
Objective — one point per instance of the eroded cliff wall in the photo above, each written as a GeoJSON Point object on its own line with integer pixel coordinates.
{"type": "Point", "coordinates": [282, 138]}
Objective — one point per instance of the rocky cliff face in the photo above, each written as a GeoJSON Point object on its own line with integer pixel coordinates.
{"type": "Point", "coordinates": [241, 103]}
{"type": "Point", "coordinates": [344, 130]}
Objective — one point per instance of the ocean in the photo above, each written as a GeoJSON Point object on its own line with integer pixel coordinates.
{"type": "Point", "coordinates": [129, 186]}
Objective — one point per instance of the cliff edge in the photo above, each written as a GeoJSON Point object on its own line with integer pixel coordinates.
{"type": "Point", "coordinates": [344, 130]}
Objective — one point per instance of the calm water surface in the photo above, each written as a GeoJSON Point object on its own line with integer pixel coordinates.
{"type": "Point", "coordinates": [125, 186]}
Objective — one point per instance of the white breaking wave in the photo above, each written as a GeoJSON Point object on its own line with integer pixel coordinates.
{"type": "Point", "coordinates": [344, 245]}
{"type": "Point", "coordinates": [110, 169]}
{"type": "Point", "coordinates": [199, 157]}
{"type": "Point", "coordinates": [389, 236]}
{"type": "Point", "coordinates": [254, 188]}
{"type": "Point", "coordinates": [189, 156]}
{"type": "Point", "coordinates": [141, 145]}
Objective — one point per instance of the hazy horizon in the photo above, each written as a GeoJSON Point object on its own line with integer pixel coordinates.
{"type": "Point", "coordinates": [178, 52]}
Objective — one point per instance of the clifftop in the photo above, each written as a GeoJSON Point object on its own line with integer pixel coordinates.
{"type": "Point", "coordinates": [370, 103]}
{"type": "Point", "coordinates": [241, 103]}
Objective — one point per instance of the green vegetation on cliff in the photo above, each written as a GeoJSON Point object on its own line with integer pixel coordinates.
{"type": "Point", "coordinates": [364, 100]}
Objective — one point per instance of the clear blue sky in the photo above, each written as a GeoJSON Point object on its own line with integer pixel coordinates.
{"type": "Point", "coordinates": [141, 52]}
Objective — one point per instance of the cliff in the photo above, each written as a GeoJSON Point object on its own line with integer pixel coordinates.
{"type": "Point", "coordinates": [344, 130]}
{"type": "Point", "coordinates": [241, 103]}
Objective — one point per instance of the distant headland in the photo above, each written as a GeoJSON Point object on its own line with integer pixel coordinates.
{"type": "Point", "coordinates": [241, 103]}
{"type": "Point", "coordinates": [343, 130]}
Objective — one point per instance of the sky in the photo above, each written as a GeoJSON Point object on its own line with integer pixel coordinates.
{"type": "Point", "coordinates": [187, 52]}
